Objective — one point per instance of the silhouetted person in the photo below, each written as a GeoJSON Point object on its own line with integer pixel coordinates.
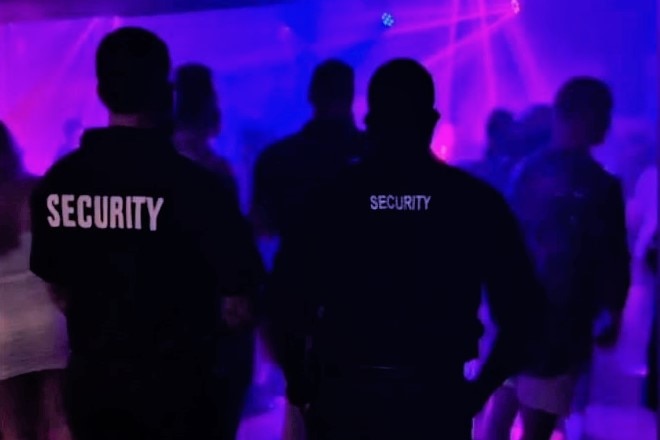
{"type": "Point", "coordinates": [572, 212]}
{"type": "Point", "coordinates": [501, 151]}
{"type": "Point", "coordinates": [289, 170]}
{"type": "Point", "coordinates": [535, 130]}
{"type": "Point", "coordinates": [197, 120]}
{"type": "Point", "coordinates": [651, 388]}
{"type": "Point", "coordinates": [150, 256]}
{"type": "Point", "coordinates": [383, 276]}
{"type": "Point", "coordinates": [72, 131]}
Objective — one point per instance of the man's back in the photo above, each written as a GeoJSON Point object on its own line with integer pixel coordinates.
{"type": "Point", "coordinates": [572, 213]}
{"type": "Point", "coordinates": [406, 251]}
{"type": "Point", "coordinates": [145, 242]}
{"type": "Point", "coordinates": [288, 171]}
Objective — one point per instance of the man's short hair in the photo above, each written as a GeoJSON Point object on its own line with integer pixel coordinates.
{"type": "Point", "coordinates": [133, 69]}
{"type": "Point", "coordinates": [333, 81]}
{"type": "Point", "coordinates": [403, 88]}
{"type": "Point", "coordinates": [585, 95]}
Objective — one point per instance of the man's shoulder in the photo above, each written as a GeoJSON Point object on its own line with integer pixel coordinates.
{"type": "Point", "coordinates": [65, 169]}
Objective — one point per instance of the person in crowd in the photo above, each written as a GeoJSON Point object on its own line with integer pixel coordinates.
{"type": "Point", "coordinates": [287, 171]}
{"type": "Point", "coordinates": [382, 274]}
{"type": "Point", "coordinates": [572, 212]}
{"type": "Point", "coordinates": [642, 214]}
{"type": "Point", "coordinates": [495, 168]}
{"type": "Point", "coordinates": [535, 130]}
{"type": "Point", "coordinates": [33, 337]}
{"type": "Point", "coordinates": [72, 131]}
{"type": "Point", "coordinates": [197, 120]}
{"type": "Point", "coordinates": [149, 256]}
{"type": "Point", "coordinates": [652, 385]}
{"type": "Point", "coordinates": [293, 167]}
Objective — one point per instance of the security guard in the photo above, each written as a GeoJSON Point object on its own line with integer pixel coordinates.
{"type": "Point", "coordinates": [148, 251]}
{"type": "Point", "coordinates": [384, 279]}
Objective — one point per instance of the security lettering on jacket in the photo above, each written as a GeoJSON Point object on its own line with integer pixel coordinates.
{"type": "Point", "coordinates": [389, 202]}
{"type": "Point", "coordinates": [103, 212]}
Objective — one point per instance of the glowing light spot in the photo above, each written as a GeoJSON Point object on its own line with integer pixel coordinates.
{"type": "Point", "coordinates": [515, 6]}
{"type": "Point", "coordinates": [443, 143]}
{"type": "Point", "coordinates": [387, 19]}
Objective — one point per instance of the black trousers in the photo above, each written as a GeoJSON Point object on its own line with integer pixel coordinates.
{"type": "Point", "coordinates": [128, 402]}
{"type": "Point", "coordinates": [388, 410]}
{"type": "Point", "coordinates": [232, 395]}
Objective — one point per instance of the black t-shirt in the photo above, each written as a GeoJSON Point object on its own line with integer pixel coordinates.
{"type": "Point", "coordinates": [145, 242]}
{"type": "Point", "coordinates": [392, 257]}
{"type": "Point", "coordinates": [289, 170]}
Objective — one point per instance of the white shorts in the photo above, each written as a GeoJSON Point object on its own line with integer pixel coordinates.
{"type": "Point", "coordinates": [553, 395]}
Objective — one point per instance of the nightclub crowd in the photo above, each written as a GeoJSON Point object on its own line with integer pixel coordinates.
{"type": "Point", "coordinates": [133, 292]}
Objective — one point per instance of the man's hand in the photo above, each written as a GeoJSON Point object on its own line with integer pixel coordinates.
{"type": "Point", "coordinates": [237, 312]}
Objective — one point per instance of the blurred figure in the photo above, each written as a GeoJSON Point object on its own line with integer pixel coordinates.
{"type": "Point", "coordinates": [197, 120]}
{"type": "Point", "coordinates": [573, 215]}
{"type": "Point", "coordinates": [651, 397]}
{"type": "Point", "coordinates": [501, 151]}
{"type": "Point", "coordinates": [286, 172]}
{"type": "Point", "coordinates": [382, 276]}
{"type": "Point", "coordinates": [72, 130]}
{"type": "Point", "coordinates": [643, 220]}
{"type": "Point", "coordinates": [149, 255]}
{"type": "Point", "coordinates": [535, 130]}
{"type": "Point", "coordinates": [33, 337]}
{"type": "Point", "coordinates": [289, 170]}
{"type": "Point", "coordinates": [635, 155]}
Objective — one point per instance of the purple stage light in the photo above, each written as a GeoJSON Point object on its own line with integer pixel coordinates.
{"type": "Point", "coordinates": [388, 20]}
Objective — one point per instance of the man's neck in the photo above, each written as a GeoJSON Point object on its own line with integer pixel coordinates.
{"type": "Point", "coordinates": [332, 115]}
{"type": "Point", "coordinates": [131, 121]}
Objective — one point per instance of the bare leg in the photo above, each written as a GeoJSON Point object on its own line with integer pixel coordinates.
{"type": "Point", "coordinates": [15, 414]}
{"type": "Point", "coordinates": [500, 414]}
{"type": "Point", "coordinates": [537, 425]}
{"type": "Point", "coordinates": [53, 421]}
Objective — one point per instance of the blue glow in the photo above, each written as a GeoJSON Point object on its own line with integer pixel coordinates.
{"type": "Point", "coordinates": [388, 19]}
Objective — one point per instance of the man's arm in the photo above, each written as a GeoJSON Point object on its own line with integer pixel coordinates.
{"type": "Point", "coordinates": [515, 298]}
{"type": "Point", "coordinates": [292, 303]}
{"type": "Point", "coordinates": [612, 273]}
{"type": "Point", "coordinates": [48, 254]}
{"type": "Point", "coordinates": [229, 246]}
{"type": "Point", "coordinates": [262, 198]}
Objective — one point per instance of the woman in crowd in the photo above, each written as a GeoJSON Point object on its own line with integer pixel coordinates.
{"type": "Point", "coordinates": [33, 337]}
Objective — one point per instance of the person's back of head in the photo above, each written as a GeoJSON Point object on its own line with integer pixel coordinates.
{"type": "Point", "coordinates": [133, 72]}
{"type": "Point", "coordinates": [402, 115]}
{"type": "Point", "coordinates": [196, 102]}
{"type": "Point", "coordinates": [332, 90]}
{"type": "Point", "coordinates": [536, 127]}
{"type": "Point", "coordinates": [500, 131]}
{"type": "Point", "coordinates": [583, 113]}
